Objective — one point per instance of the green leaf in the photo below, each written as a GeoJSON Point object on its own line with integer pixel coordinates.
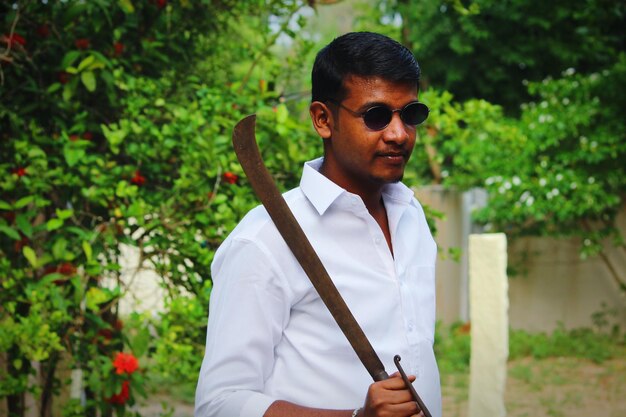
{"type": "Point", "coordinates": [67, 92]}
{"type": "Point", "coordinates": [85, 63]}
{"type": "Point", "coordinates": [30, 255]}
{"type": "Point", "coordinates": [58, 249]}
{"type": "Point", "coordinates": [72, 154]}
{"type": "Point", "coordinates": [53, 224]}
{"type": "Point", "coordinates": [127, 6]}
{"type": "Point", "coordinates": [93, 268]}
{"type": "Point", "coordinates": [282, 114]}
{"type": "Point", "coordinates": [89, 80]}
{"type": "Point", "coordinates": [96, 296]}
{"type": "Point", "coordinates": [72, 13]}
{"type": "Point", "coordinates": [24, 201]}
{"type": "Point", "coordinates": [53, 88]}
{"type": "Point", "coordinates": [64, 214]}
{"type": "Point", "coordinates": [5, 206]}
{"type": "Point", "coordinates": [114, 135]}
{"type": "Point", "coordinates": [10, 232]}
{"type": "Point", "coordinates": [88, 250]}
{"type": "Point", "coordinates": [24, 225]}
{"type": "Point", "coordinates": [69, 58]}
{"type": "Point", "coordinates": [140, 342]}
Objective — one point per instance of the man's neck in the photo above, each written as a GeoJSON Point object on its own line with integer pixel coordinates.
{"type": "Point", "coordinates": [372, 196]}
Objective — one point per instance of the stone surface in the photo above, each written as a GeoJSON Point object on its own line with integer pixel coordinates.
{"type": "Point", "coordinates": [489, 324]}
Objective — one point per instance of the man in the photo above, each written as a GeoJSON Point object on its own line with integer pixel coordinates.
{"type": "Point", "coordinates": [273, 349]}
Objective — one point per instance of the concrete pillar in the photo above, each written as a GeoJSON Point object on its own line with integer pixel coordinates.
{"type": "Point", "coordinates": [489, 324]}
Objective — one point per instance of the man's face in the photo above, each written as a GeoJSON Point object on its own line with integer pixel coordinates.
{"type": "Point", "coordinates": [360, 159]}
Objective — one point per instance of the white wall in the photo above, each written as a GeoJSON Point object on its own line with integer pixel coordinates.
{"type": "Point", "coordinates": [554, 284]}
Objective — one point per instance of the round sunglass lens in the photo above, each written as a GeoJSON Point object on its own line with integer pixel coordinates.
{"type": "Point", "coordinates": [377, 118]}
{"type": "Point", "coordinates": [415, 113]}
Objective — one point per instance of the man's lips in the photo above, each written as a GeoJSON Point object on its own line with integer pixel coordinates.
{"type": "Point", "coordinates": [393, 156]}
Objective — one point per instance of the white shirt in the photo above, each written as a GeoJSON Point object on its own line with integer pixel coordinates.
{"type": "Point", "coordinates": [270, 337]}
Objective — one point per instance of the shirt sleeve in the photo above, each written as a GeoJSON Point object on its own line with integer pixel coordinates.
{"type": "Point", "coordinates": [249, 308]}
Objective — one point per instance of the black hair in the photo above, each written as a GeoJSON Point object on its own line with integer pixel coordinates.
{"type": "Point", "coordinates": [364, 54]}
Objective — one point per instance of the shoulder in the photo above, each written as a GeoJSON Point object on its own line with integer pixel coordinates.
{"type": "Point", "coordinates": [256, 232]}
{"type": "Point", "coordinates": [257, 225]}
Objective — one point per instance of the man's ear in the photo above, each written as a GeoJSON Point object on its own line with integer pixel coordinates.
{"type": "Point", "coordinates": [322, 119]}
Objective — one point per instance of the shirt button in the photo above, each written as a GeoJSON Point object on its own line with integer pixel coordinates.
{"type": "Point", "coordinates": [411, 326]}
{"type": "Point", "coordinates": [378, 240]}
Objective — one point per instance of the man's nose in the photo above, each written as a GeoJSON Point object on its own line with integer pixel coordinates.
{"type": "Point", "coordinates": [397, 131]}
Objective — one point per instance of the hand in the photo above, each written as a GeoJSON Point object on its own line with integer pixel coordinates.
{"type": "Point", "coordinates": [390, 398]}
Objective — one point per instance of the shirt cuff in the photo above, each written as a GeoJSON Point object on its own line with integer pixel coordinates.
{"type": "Point", "coordinates": [256, 405]}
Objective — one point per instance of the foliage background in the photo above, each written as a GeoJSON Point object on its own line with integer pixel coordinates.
{"type": "Point", "coordinates": [115, 124]}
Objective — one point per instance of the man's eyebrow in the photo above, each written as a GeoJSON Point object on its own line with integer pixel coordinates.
{"type": "Point", "coordinates": [370, 104]}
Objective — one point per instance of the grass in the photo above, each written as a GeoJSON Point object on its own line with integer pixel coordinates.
{"type": "Point", "coordinates": [453, 345]}
{"type": "Point", "coordinates": [571, 373]}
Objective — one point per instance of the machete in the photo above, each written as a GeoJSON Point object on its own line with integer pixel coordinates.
{"type": "Point", "coordinates": [247, 150]}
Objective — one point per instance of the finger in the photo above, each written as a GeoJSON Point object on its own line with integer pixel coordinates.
{"type": "Point", "coordinates": [379, 396]}
{"type": "Point", "coordinates": [397, 374]}
{"type": "Point", "coordinates": [396, 382]}
{"type": "Point", "coordinates": [409, 408]}
{"type": "Point", "coordinates": [416, 411]}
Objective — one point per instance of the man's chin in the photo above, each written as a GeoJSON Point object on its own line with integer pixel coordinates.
{"type": "Point", "coordinates": [389, 179]}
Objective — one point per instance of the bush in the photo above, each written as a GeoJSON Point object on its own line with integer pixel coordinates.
{"type": "Point", "coordinates": [117, 131]}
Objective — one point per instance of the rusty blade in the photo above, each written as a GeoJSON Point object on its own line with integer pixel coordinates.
{"type": "Point", "coordinates": [247, 150]}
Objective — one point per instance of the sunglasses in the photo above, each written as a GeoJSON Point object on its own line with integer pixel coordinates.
{"type": "Point", "coordinates": [379, 117]}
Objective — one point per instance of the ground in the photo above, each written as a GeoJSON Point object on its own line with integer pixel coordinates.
{"type": "Point", "coordinates": [553, 387]}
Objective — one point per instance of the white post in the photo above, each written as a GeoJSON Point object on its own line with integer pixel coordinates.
{"type": "Point", "coordinates": [489, 305]}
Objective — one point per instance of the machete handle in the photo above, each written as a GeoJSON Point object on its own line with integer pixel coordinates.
{"type": "Point", "coordinates": [411, 388]}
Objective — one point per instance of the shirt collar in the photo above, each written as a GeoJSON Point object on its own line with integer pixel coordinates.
{"type": "Point", "coordinates": [322, 192]}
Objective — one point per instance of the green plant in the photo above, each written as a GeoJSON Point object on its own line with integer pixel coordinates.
{"type": "Point", "coordinates": [117, 131]}
{"type": "Point", "coordinates": [581, 343]}
{"type": "Point", "coordinates": [453, 347]}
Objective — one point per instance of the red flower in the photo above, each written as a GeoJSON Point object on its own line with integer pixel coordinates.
{"type": "Point", "coordinates": [13, 39]}
{"type": "Point", "coordinates": [82, 43]}
{"type": "Point", "coordinates": [66, 269]}
{"type": "Point", "coordinates": [125, 363]}
{"type": "Point", "coordinates": [9, 216]}
{"type": "Point", "coordinates": [118, 48]}
{"type": "Point", "coordinates": [138, 178]}
{"type": "Point", "coordinates": [43, 31]}
{"type": "Point", "coordinates": [64, 77]}
{"type": "Point", "coordinates": [160, 3]}
{"type": "Point", "coordinates": [118, 325]}
{"type": "Point", "coordinates": [88, 136]}
{"type": "Point", "coordinates": [49, 270]}
{"type": "Point", "coordinates": [122, 396]}
{"type": "Point", "coordinates": [466, 328]}
{"type": "Point", "coordinates": [106, 334]}
{"type": "Point", "coordinates": [74, 137]}
{"type": "Point", "coordinates": [19, 171]}
{"type": "Point", "coordinates": [229, 177]}
{"type": "Point", "coordinates": [19, 244]}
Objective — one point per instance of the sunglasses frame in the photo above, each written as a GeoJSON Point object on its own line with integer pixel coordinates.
{"type": "Point", "coordinates": [364, 112]}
